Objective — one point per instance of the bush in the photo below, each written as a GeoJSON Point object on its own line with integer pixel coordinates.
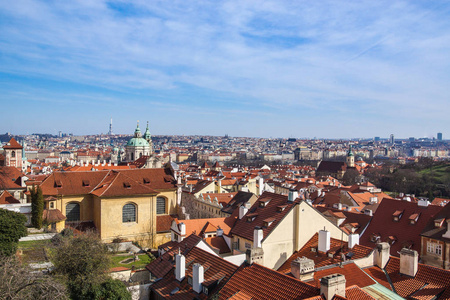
{"type": "Point", "coordinates": [12, 228]}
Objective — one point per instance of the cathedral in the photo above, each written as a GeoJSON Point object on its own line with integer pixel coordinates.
{"type": "Point", "coordinates": [140, 148]}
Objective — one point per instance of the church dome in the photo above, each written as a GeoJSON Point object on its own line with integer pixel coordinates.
{"type": "Point", "coordinates": [137, 140]}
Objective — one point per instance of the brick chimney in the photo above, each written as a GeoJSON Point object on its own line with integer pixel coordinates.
{"type": "Point", "coordinates": [324, 241]}
{"type": "Point", "coordinates": [381, 256]}
{"type": "Point", "coordinates": [197, 277]}
{"type": "Point", "coordinates": [180, 267]}
{"type": "Point", "coordinates": [303, 268]}
{"type": "Point", "coordinates": [332, 285]}
{"type": "Point", "coordinates": [409, 262]}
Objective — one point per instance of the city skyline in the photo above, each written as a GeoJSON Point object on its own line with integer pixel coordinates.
{"type": "Point", "coordinates": [272, 69]}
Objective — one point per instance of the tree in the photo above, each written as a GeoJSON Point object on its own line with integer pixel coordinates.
{"type": "Point", "coordinates": [12, 228]}
{"type": "Point", "coordinates": [84, 261]}
{"type": "Point", "coordinates": [20, 282]}
{"type": "Point", "coordinates": [351, 177]}
{"type": "Point", "coordinates": [37, 207]}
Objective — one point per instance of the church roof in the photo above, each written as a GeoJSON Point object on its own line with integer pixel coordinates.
{"type": "Point", "coordinates": [12, 144]}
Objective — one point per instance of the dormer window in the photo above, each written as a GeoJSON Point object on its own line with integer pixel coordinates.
{"type": "Point", "coordinates": [127, 185]}
{"type": "Point", "coordinates": [374, 237]}
{"type": "Point", "coordinates": [397, 215]}
{"type": "Point", "coordinates": [146, 180]}
{"type": "Point", "coordinates": [268, 222]}
{"type": "Point", "coordinates": [58, 183]}
{"type": "Point", "coordinates": [413, 218]}
{"type": "Point", "coordinates": [281, 208]}
{"type": "Point", "coordinates": [205, 290]}
{"type": "Point", "coordinates": [438, 222]}
{"type": "Point", "coordinates": [263, 203]}
{"type": "Point", "coordinates": [86, 182]}
{"type": "Point", "coordinates": [251, 217]}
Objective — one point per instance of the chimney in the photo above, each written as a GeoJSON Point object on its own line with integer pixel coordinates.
{"type": "Point", "coordinates": [303, 268]}
{"type": "Point", "coordinates": [339, 206]}
{"type": "Point", "coordinates": [368, 212]}
{"type": "Point", "coordinates": [261, 185]}
{"type": "Point", "coordinates": [324, 241]}
{"type": "Point", "coordinates": [182, 227]}
{"type": "Point", "coordinates": [180, 266]}
{"type": "Point", "coordinates": [353, 240]}
{"type": "Point", "coordinates": [423, 203]}
{"type": "Point", "coordinates": [257, 237]}
{"type": "Point", "coordinates": [332, 285]}
{"type": "Point", "coordinates": [293, 194]}
{"type": "Point", "coordinates": [219, 231]}
{"type": "Point", "coordinates": [447, 234]}
{"type": "Point", "coordinates": [382, 254]}
{"type": "Point", "coordinates": [242, 211]}
{"type": "Point", "coordinates": [197, 277]}
{"type": "Point", "coordinates": [409, 262]}
{"type": "Point", "coordinates": [373, 200]}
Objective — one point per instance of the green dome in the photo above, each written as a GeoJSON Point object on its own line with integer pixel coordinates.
{"type": "Point", "coordinates": [138, 142]}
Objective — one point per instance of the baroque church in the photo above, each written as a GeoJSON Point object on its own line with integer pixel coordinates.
{"type": "Point", "coordinates": [140, 149]}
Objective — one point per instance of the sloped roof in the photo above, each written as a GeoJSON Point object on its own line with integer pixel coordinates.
{"type": "Point", "coordinates": [383, 224]}
{"type": "Point", "coordinates": [9, 178]}
{"type": "Point", "coordinates": [52, 215]}
{"type": "Point", "coordinates": [353, 275]}
{"type": "Point", "coordinates": [7, 198]}
{"type": "Point", "coordinates": [118, 184]}
{"type": "Point", "coordinates": [261, 283]}
{"type": "Point", "coordinates": [217, 272]}
{"type": "Point", "coordinates": [12, 144]}
{"type": "Point", "coordinates": [322, 259]}
{"type": "Point", "coordinates": [164, 222]}
{"type": "Point", "coordinates": [201, 226]}
{"type": "Point", "coordinates": [331, 167]}
{"type": "Point", "coordinates": [219, 243]}
{"type": "Point", "coordinates": [245, 228]}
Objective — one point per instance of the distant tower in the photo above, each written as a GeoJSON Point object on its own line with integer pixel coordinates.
{"type": "Point", "coordinates": [350, 158]}
{"type": "Point", "coordinates": [110, 128]}
{"type": "Point", "coordinates": [391, 139]}
{"type": "Point", "coordinates": [439, 136]}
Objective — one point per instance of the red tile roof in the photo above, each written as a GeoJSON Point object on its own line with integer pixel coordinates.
{"type": "Point", "coordinates": [322, 259]}
{"type": "Point", "coordinates": [217, 272]}
{"type": "Point", "coordinates": [218, 243]}
{"type": "Point", "coordinates": [12, 144]}
{"type": "Point", "coordinates": [383, 225]}
{"type": "Point", "coordinates": [7, 198]}
{"type": "Point", "coordinates": [164, 222]}
{"type": "Point", "coordinates": [244, 228]}
{"type": "Point", "coordinates": [9, 178]}
{"type": "Point", "coordinates": [52, 216]}
{"type": "Point", "coordinates": [260, 282]}
{"type": "Point", "coordinates": [353, 275]}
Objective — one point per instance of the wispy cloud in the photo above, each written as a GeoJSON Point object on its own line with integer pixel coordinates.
{"type": "Point", "coordinates": [381, 59]}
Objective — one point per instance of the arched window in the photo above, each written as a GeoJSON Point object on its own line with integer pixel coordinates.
{"type": "Point", "coordinates": [72, 212]}
{"type": "Point", "coordinates": [132, 156]}
{"type": "Point", "coordinates": [160, 205]}
{"type": "Point", "coordinates": [129, 213]}
{"type": "Point", "coordinates": [13, 153]}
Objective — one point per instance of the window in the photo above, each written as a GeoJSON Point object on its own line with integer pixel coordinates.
{"type": "Point", "coordinates": [13, 153]}
{"type": "Point", "coordinates": [129, 213]}
{"type": "Point", "coordinates": [160, 205]}
{"type": "Point", "coordinates": [247, 245]}
{"type": "Point", "coordinates": [434, 248]}
{"type": "Point", "coordinates": [73, 212]}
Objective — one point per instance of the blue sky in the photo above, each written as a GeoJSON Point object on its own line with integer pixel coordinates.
{"type": "Point", "coordinates": [332, 69]}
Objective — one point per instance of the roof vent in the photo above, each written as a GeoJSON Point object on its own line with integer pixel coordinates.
{"type": "Point", "coordinates": [86, 182]}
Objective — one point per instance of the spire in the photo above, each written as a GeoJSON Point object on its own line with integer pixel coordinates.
{"type": "Point", "coordinates": [350, 153]}
{"type": "Point", "coordinates": [147, 134]}
{"type": "Point", "coordinates": [137, 132]}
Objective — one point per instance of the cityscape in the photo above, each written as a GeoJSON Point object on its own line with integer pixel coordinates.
{"type": "Point", "coordinates": [224, 150]}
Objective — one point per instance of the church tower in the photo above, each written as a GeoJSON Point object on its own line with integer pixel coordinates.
{"type": "Point", "coordinates": [13, 154]}
{"type": "Point", "coordinates": [350, 158]}
{"type": "Point", "coordinates": [137, 146]}
{"type": "Point", "coordinates": [148, 138]}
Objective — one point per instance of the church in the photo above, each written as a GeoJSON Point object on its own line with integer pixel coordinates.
{"type": "Point", "coordinates": [140, 149]}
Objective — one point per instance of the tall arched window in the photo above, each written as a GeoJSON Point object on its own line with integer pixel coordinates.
{"type": "Point", "coordinates": [160, 205]}
{"type": "Point", "coordinates": [132, 156]}
{"type": "Point", "coordinates": [129, 213]}
{"type": "Point", "coordinates": [72, 212]}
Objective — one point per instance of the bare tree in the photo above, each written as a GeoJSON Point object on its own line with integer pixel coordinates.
{"type": "Point", "coordinates": [20, 282]}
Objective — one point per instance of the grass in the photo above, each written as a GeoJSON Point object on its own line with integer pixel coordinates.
{"type": "Point", "coordinates": [144, 260]}
{"type": "Point", "coordinates": [33, 244]}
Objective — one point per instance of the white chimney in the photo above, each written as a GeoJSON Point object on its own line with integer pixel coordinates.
{"type": "Point", "coordinates": [382, 254]}
{"type": "Point", "coordinates": [257, 237]}
{"type": "Point", "coordinates": [339, 206]}
{"type": "Point", "coordinates": [373, 200]}
{"type": "Point", "coordinates": [423, 203]}
{"type": "Point", "coordinates": [261, 185]}
{"type": "Point", "coordinates": [197, 277]}
{"type": "Point", "coordinates": [293, 194]}
{"type": "Point", "coordinates": [332, 285]}
{"type": "Point", "coordinates": [324, 241]}
{"type": "Point", "coordinates": [243, 209]}
{"type": "Point", "coordinates": [182, 227]}
{"type": "Point", "coordinates": [409, 262]}
{"type": "Point", "coordinates": [353, 240]}
{"type": "Point", "coordinates": [447, 234]}
{"type": "Point", "coordinates": [180, 267]}
{"type": "Point", "coordinates": [219, 231]}
{"type": "Point", "coordinates": [368, 212]}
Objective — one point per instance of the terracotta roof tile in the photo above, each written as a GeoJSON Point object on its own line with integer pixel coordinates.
{"type": "Point", "coordinates": [164, 222]}
{"type": "Point", "coordinates": [7, 198]}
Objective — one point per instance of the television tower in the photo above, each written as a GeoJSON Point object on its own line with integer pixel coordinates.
{"type": "Point", "coordinates": [110, 128]}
